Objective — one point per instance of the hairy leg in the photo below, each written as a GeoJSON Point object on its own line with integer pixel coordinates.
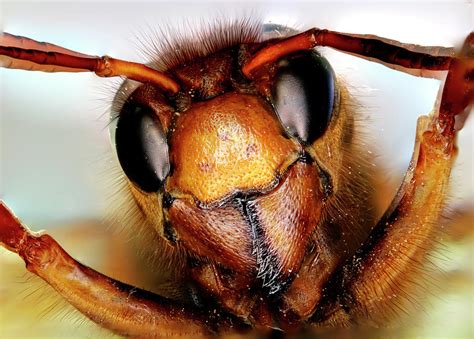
{"type": "Point", "coordinates": [368, 287]}
{"type": "Point", "coordinates": [119, 307]}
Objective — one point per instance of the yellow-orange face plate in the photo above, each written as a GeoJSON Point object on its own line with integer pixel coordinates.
{"type": "Point", "coordinates": [233, 142]}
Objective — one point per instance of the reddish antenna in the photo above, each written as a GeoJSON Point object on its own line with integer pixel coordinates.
{"type": "Point", "coordinates": [388, 52]}
{"type": "Point", "coordinates": [28, 54]}
{"type": "Point", "coordinates": [458, 95]}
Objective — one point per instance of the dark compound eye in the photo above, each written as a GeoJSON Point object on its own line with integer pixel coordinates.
{"type": "Point", "coordinates": [142, 147]}
{"type": "Point", "coordinates": [303, 94]}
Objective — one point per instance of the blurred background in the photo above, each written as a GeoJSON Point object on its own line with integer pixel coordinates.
{"type": "Point", "coordinates": [55, 154]}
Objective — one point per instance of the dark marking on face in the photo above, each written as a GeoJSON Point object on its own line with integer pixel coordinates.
{"type": "Point", "coordinates": [326, 182]}
{"type": "Point", "coordinates": [268, 264]}
{"type": "Point", "coordinates": [306, 158]}
{"type": "Point", "coordinates": [169, 233]}
{"type": "Point", "coordinates": [167, 200]}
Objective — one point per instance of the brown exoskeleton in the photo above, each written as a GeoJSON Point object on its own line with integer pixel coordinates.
{"type": "Point", "coordinates": [244, 186]}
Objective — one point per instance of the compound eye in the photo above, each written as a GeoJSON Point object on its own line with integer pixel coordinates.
{"type": "Point", "coordinates": [303, 94]}
{"type": "Point", "coordinates": [142, 147]}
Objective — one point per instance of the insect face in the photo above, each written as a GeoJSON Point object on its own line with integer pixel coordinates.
{"type": "Point", "coordinates": [227, 158]}
{"type": "Point", "coordinates": [255, 179]}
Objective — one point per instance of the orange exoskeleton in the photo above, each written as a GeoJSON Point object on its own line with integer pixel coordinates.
{"type": "Point", "coordinates": [234, 158]}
